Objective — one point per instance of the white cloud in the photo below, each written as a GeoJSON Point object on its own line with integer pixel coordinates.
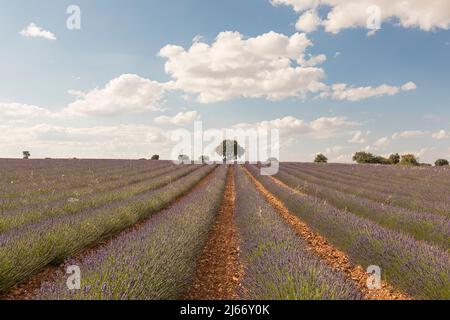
{"type": "Point", "coordinates": [409, 86]}
{"type": "Point", "coordinates": [410, 134]}
{"type": "Point", "coordinates": [19, 111]}
{"type": "Point", "coordinates": [441, 135]}
{"type": "Point", "coordinates": [382, 142]}
{"type": "Point", "coordinates": [308, 22]}
{"type": "Point", "coordinates": [34, 31]}
{"type": "Point", "coordinates": [342, 91]}
{"type": "Point", "coordinates": [180, 119]}
{"type": "Point", "coordinates": [342, 14]}
{"type": "Point", "coordinates": [359, 137]}
{"type": "Point", "coordinates": [117, 141]}
{"type": "Point", "coordinates": [128, 93]}
{"type": "Point", "coordinates": [271, 66]}
{"type": "Point", "coordinates": [321, 128]}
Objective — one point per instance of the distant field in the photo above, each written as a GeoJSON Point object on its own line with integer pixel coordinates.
{"type": "Point", "coordinates": [156, 230]}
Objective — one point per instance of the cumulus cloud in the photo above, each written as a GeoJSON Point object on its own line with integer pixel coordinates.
{"type": "Point", "coordinates": [441, 135]}
{"type": "Point", "coordinates": [116, 141]}
{"type": "Point", "coordinates": [321, 128]}
{"type": "Point", "coordinates": [382, 142]}
{"type": "Point", "coordinates": [308, 22]}
{"type": "Point", "coordinates": [342, 91]}
{"type": "Point", "coordinates": [410, 134]}
{"type": "Point", "coordinates": [180, 119]}
{"type": "Point", "coordinates": [359, 137]}
{"type": "Point", "coordinates": [343, 14]}
{"type": "Point", "coordinates": [409, 86]}
{"type": "Point", "coordinates": [128, 93]}
{"type": "Point", "coordinates": [272, 66]}
{"type": "Point", "coordinates": [34, 31]}
{"type": "Point", "coordinates": [19, 111]}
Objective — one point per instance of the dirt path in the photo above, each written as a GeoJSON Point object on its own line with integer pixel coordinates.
{"type": "Point", "coordinates": [219, 269]}
{"type": "Point", "coordinates": [26, 290]}
{"type": "Point", "coordinates": [319, 245]}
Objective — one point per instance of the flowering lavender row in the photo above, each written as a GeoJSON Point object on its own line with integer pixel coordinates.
{"type": "Point", "coordinates": [40, 188]}
{"type": "Point", "coordinates": [382, 174]}
{"type": "Point", "coordinates": [429, 185]}
{"type": "Point", "coordinates": [423, 226]}
{"type": "Point", "coordinates": [158, 261]}
{"type": "Point", "coordinates": [44, 211]}
{"type": "Point", "coordinates": [78, 187]}
{"type": "Point", "coordinates": [414, 266]}
{"type": "Point", "coordinates": [52, 241]}
{"type": "Point", "coordinates": [277, 263]}
{"type": "Point", "coordinates": [414, 200]}
{"type": "Point", "coordinates": [53, 171]}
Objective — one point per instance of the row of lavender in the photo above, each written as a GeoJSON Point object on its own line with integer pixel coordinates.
{"type": "Point", "coordinates": [413, 266]}
{"type": "Point", "coordinates": [38, 187]}
{"type": "Point", "coordinates": [157, 261]}
{"type": "Point", "coordinates": [25, 251]}
{"type": "Point", "coordinates": [277, 263]}
{"type": "Point", "coordinates": [422, 189]}
{"type": "Point", "coordinates": [21, 172]}
{"type": "Point", "coordinates": [60, 207]}
{"type": "Point", "coordinates": [433, 228]}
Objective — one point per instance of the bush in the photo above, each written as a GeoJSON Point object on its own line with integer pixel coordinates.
{"type": "Point", "coordinates": [364, 157]}
{"type": "Point", "coordinates": [184, 158]}
{"type": "Point", "coordinates": [320, 158]}
{"type": "Point", "coordinates": [441, 162]}
{"type": "Point", "coordinates": [394, 158]}
{"type": "Point", "coordinates": [155, 157]}
{"type": "Point", "coordinates": [409, 160]}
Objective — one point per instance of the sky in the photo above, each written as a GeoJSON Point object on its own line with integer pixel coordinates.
{"type": "Point", "coordinates": [114, 79]}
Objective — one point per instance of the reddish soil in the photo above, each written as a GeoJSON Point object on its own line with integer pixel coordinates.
{"type": "Point", "coordinates": [26, 290]}
{"type": "Point", "coordinates": [219, 270]}
{"type": "Point", "coordinates": [335, 258]}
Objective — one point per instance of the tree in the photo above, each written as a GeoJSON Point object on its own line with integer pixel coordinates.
{"type": "Point", "coordinates": [409, 160]}
{"type": "Point", "coordinates": [203, 159]}
{"type": "Point", "coordinates": [183, 158]}
{"type": "Point", "coordinates": [441, 162]}
{"type": "Point", "coordinates": [230, 150]}
{"type": "Point", "coordinates": [394, 158]}
{"type": "Point", "coordinates": [26, 155]}
{"type": "Point", "coordinates": [155, 157]}
{"type": "Point", "coordinates": [320, 158]}
{"type": "Point", "coordinates": [381, 160]}
{"type": "Point", "coordinates": [364, 157]}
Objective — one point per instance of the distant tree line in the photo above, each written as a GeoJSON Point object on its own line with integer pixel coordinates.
{"type": "Point", "coordinates": [394, 159]}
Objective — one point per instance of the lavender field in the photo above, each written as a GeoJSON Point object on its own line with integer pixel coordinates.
{"type": "Point", "coordinates": [144, 230]}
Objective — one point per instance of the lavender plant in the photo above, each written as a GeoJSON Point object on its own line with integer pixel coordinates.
{"type": "Point", "coordinates": [414, 266]}
{"type": "Point", "coordinates": [158, 261]}
{"type": "Point", "coordinates": [277, 263]}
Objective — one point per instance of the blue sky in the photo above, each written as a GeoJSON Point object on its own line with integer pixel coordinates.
{"type": "Point", "coordinates": [124, 38]}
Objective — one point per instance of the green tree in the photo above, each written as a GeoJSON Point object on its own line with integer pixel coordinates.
{"type": "Point", "coordinates": [183, 158]}
{"type": "Point", "coordinates": [320, 158]}
{"type": "Point", "coordinates": [394, 158]}
{"type": "Point", "coordinates": [441, 162]}
{"type": "Point", "coordinates": [409, 160]}
{"type": "Point", "coordinates": [26, 155]}
{"type": "Point", "coordinates": [155, 157]}
{"type": "Point", "coordinates": [230, 150]}
{"type": "Point", "coordinates": [364, 157]}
